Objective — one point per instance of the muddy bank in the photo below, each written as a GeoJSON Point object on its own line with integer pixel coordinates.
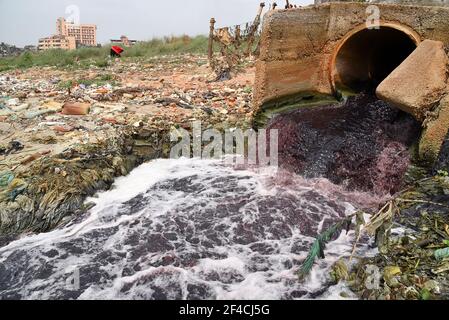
{"type": "Point", "coordinates": [55, 187]}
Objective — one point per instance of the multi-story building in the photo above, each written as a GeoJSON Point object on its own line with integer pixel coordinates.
{"type": "Point", "coordinates": [57, 42]}
{"type": "Point", "coordinates": [30, 47]}
{"type": "Point", "coordinates": [124, 41]}
{"type": "Point", "coordinates": [85, 34]}
{"type": "Point", "coordinates": [70, 36]}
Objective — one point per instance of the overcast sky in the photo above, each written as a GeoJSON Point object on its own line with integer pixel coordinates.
{"type": "Point", "coordinates": [23, 22]}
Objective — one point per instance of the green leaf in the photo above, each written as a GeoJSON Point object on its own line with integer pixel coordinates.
{"type": "Point", "coordinates": [442, 173]}
{"type": "Point", "coordinates": [425, 294]}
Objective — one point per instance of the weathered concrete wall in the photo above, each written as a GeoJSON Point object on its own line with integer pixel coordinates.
{"type": "Point", "coordinates": [416, 2]}
{"type": "Point", "coordinates": [299, 46]}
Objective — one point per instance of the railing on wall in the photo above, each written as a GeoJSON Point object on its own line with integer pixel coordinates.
{"type": "Point", "coordinates": [231, 46]}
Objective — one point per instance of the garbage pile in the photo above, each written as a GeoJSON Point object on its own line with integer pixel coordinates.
{"type": "Point", "coordinates": [65, 134]}
{"type": "Point", "coordinates": [414, 262]}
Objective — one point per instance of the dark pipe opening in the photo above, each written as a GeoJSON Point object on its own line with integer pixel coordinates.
{"type": "Point", "coordinates": [369, 56]}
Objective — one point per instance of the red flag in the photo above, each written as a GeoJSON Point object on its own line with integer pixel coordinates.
{"type": "Point", "coordinates": [117, 49]}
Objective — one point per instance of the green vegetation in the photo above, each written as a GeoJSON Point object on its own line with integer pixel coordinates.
{"type": "Point", "coordinates": [100, 80]}
{"type": "Point", "coordinates": [443, 173]}
{"type": "Point", "coordinates": [85, 57]}
{"type": "Point", "coordinates": [168, 45]}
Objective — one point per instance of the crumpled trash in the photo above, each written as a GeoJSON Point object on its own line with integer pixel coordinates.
{"type": "Point", "coordinates": [14, 188]}
{"type": "Point", "coordinates": [432, 286]}
{"type": "Point", "coordinates": [76, 109]}
{"type": "Point", "coordinates": [44, 139]}
{"type": "Point", "coordinates": [6, 178]}
{"type": "Point", "coordinates": [34, 157]}
{"type": "Point", "coordinates": [63, 128]}
{"type": "Point", "coordinates": [52, 105]}
{"type": "Point", "coordinates": [390, 273]}
{"type": "Point", "coordinates": [339, 271]}
{"type": "Point", "coordinates": [20, 108]}
{"type": "Point", "coordinates": [5, 112]}
{"type": "Point", "coordinates": [10, 187]}
{"type": "Point", "coordinates": [13, 102]}
{"type": "Point", "coordinates": [170, 101]}
{"type": "Point", "coordinates": [441, 254]}
{"type": "Point", "coordinates": [223, 75]}
{"type": "Point", "coordinates": [35, 114]}
{"type": "Point", "coordinates": [13, 146]}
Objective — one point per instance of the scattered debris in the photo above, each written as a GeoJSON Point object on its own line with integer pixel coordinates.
{"type": "Point", "coordinates": [413, 260]}
{"type": "Point", "coordinates": [75, 109]}
{"type": "Point", "coordinates": [12, 147]}
{"type": "Point", "coordinates": [127, 111]}
{"type": "Point", "coordinates": [34, 157]}
{"type": "Point", "coordinates": [441, 254]}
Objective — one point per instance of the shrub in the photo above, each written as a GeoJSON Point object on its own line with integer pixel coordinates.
{"type": "Point", "coordinates": [83, 57]}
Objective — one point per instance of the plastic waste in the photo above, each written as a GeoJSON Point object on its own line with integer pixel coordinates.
{"type": "Point", "coordinates": [6, 178]}
{"type": "Point", "coordinates": [441, 254]}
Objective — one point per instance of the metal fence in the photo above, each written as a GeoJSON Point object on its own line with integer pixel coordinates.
{"type": "Point", "coordinates": [230, 46]}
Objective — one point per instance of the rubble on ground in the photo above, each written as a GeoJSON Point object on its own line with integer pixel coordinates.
{"type": "Point", "coordinates": [66, 133]}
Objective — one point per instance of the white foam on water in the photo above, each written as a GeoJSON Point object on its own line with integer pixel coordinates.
{"type": "Point", "coordinates": [185, 229]}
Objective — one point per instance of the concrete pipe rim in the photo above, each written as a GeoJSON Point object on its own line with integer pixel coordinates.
{"type": "Point", "coordinates": [406, 30]}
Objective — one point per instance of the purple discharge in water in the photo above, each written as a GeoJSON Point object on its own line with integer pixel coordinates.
{"type": "Point", "coordinates": [362, 144]}
{"type": "Point", "coordinates": [201, 229]}
{"type": "Point", "coordinates": [187, 229]}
